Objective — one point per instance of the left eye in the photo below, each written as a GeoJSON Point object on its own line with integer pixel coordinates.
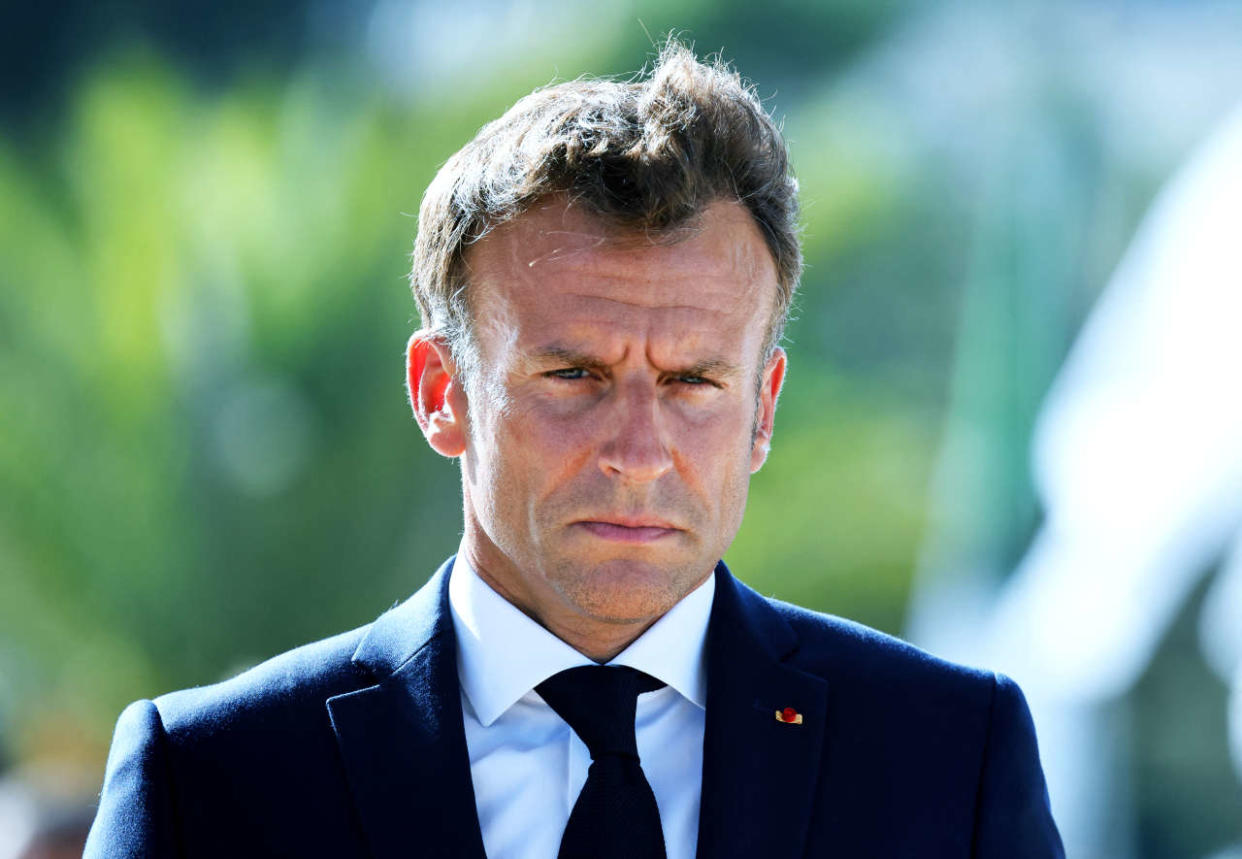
{"type": "Point", "coordinates": [692, 380]}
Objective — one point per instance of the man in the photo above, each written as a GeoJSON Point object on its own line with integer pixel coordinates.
{"type": "Point", "coordinates": [603, 274]}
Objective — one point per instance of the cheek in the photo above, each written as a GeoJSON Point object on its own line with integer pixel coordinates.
{"type": "Point", "coordinates": [716, 434]}
{"type": "Point", "coordinates": [716, 454]}
{"type": "Point", "coordinates": [529, 454]}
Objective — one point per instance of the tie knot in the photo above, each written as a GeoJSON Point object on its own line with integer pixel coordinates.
{"type": "Point", "coordinates": [598, 702]}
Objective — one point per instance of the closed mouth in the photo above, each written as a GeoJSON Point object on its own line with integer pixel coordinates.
{"type": "Point", "coordinates": [625, 530]}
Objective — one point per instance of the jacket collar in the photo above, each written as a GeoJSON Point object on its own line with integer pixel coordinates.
{"type": "Point", "coordinates": [402, 740]}
{"type": "Point", "coordinates": [759, 774]}
{"type": "Point", "coordinates": [406, 628]}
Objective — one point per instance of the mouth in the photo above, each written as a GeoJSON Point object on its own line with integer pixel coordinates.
{"type": "Point", "coordinates": [628, 530]}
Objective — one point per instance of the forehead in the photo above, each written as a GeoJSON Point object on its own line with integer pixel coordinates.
{"type": "Point", "coordinates": [559, 266]}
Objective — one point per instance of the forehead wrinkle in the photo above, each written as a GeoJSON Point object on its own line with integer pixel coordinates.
{"type": "Point", "coordinates": [599, 250]}
{"type": "Point", "coordinates": [557, 254]}
{"type": "Point", "coordinates": [646, 305]}
{"type": "Point", "coordinates": [602, 255]}
{"type": "Point", "coordinates": [669, 332]}
{"type": "Point", "coordinates": [652, 267]}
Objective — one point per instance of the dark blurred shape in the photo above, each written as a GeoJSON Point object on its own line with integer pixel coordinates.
{"type": "Point", "coordinates": [795, 43]}
{"type": "Point", "coordinates": [43, 46]}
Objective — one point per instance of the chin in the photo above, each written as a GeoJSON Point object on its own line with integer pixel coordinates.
{"type": "Point", "coordinates": [624, 590]}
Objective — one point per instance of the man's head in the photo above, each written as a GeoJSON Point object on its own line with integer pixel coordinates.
{"type": "Point", "coordinates": [647, 156]}
{"type": "Point", "coordinates": [603, 274]}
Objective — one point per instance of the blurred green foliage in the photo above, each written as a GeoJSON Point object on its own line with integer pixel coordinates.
{"type": "Point", "coordinates": [203, 321]}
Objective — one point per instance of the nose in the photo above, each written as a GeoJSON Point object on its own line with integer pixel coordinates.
{"type": "Point", "coordinates": [636, 449]}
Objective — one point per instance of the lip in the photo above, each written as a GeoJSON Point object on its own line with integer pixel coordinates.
{"type": "Point", "coordinates": [628, 530]}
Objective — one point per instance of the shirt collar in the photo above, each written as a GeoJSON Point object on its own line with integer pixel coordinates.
{"type": "Point", "coordinates": [673, 649]}
{"type": "Point", "coordinates": [502, 654]}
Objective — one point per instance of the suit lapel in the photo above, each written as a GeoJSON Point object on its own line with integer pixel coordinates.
{"type": "Point", "coordinates": [759, 774]}
{"type": "Point", "coordinates": [402, 740]}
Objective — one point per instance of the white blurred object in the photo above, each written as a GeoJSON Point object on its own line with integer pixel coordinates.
{"type": "Point", "coordinates": [18, 818]}
{"type": "Point", "coordinates": [45, 811]}
{"type": "Point", "coordinates": [1138, 452]}
{"type": "Point", "coordinates": [1138, 462]}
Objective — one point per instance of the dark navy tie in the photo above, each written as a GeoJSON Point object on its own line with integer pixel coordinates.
{"type": "Point", "coordinates": [615, 816]}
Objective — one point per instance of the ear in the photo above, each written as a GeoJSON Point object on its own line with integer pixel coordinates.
{"type": "Point", "coordinates": [769, 390]}
{"type": "Point", "coordinates": [436, 394]}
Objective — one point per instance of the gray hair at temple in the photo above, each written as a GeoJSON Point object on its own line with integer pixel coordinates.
{"type": "Point", "coordinates": [647, 155]}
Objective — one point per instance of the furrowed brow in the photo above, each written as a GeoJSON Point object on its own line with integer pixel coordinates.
{"type": "Point", "coordinates": [561, 356]}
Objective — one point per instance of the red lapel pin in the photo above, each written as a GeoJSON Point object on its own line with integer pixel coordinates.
{"type": "Point", "coordinates": [789, 716]}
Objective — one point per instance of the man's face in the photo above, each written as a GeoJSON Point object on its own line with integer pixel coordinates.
{"type": "Point", "coordinates": [615, 420]}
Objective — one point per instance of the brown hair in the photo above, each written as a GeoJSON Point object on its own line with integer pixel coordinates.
{"type": "Point", "coordinates": [647, 155]}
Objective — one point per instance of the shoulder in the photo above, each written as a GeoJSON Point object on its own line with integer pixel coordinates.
{"type": "Point", "coordinates": [953, 747]}
{"type": "Point", "coordinates": [852, 655]}
{"type": "Point", "coordinates": [261, 740]}
{"type": "Point", "coordinates": [284, 689]}
{"type": "Point", "coordinates": [930, 719]}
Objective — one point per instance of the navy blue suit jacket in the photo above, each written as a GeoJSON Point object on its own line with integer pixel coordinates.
{"type": "Point", "coordinates": [354, 746]}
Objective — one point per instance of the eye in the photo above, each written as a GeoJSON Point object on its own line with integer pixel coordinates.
{"type": "Point", "coordinates": [569, 373]}
{"type": "Point", "coordinates": [693, 380]}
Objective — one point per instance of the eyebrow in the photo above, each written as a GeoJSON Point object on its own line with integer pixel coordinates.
{"type": "Point", "coordinates": [570, 357]}
{"type": "Point", "coordinates": [560, 355]}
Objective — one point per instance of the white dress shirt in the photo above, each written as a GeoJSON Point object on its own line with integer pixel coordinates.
{"type": "Point", "coordinates": [526, 764]}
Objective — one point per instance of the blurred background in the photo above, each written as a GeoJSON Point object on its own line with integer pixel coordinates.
{"type": "Point", "coordinates": [206, 457]}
